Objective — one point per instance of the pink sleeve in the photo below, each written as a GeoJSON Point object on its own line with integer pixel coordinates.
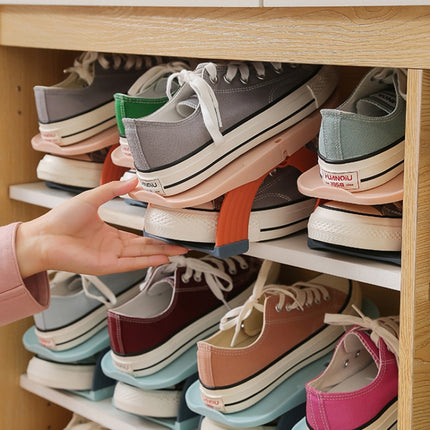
{"type": "Point", "coordinates": [19, 297]}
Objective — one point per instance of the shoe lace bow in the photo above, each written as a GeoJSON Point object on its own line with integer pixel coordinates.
{"type": "Point", "coordinates": [212, 269]}
{"type": "Point", "coordinates": [303, 294]}
{"type": "Point", "coordinates": [205, 94]}
{"type": "Point", "coordinates": [385, 328]}
{"type": "Point", "coordinates": [108, 298]}
{"type": "Point", "coordinates": [83, 66]}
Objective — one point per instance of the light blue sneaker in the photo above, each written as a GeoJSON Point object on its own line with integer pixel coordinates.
{"type": "Point", "coordinates": [361, 143]}
{"type": "Point", "coordinates": [78, 306]}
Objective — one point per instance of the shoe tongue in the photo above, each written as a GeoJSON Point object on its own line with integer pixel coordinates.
{"type": "Point", "coordinates": [377, 104]}
{"type": "Point", "coordinates": [188, 106]}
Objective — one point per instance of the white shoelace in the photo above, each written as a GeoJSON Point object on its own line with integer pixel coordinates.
{"type": "Point", "coordinates": [108, 298]}
{"type": "Point", "coordinates": [396, 76]}
{"type": "Point", "coordinates": [205, 94]}
{"type": "Point", "coordinates": [83, 66]}
{"type": "Point", "coordinates": [386, 328]}
{"type": "Point", "coordinates": [302, 293]}
{"type": "Point", "coordinates": [197, 267]}
{"type": "Point", "coordinates": [154, 73]}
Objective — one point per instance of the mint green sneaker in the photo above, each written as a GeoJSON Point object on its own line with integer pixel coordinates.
{"type": "Point", "coordinates": [361, 143]}
{"type": "Point", "coordinates": [145, 96]}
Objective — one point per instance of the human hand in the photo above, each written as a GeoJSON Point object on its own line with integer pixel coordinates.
{"type": "Point", "coordinates": [73, 238]}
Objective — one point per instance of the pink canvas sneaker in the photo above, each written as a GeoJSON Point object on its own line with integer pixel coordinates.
{"type": "Point", "coordinates": [179, 304]}
{"type": "Point", "coordinates": [362, 372]}
{"type": "Point", "coordinates": [279, 330]}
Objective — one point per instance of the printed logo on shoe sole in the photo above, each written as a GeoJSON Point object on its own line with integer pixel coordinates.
{"type": "Point", "coordinates": [347, 180]}
{"type": "Point", "coordinates": [153, 185]}
{"type": "Point", "coordinates": [51, 136]}
{"type": "Point", "coordinates": [213, 403]}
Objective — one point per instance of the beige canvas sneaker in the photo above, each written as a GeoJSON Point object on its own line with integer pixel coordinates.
{"type": "Point", "coordinates": [279, 330]}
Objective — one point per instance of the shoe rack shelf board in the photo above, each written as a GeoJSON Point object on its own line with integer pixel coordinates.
{"type": "Point", "coordinates": [222, 3]}
{"type": "Point", "coordinates": [34, 37]}
{"type": "Point", "coordinates": [101, 412]}
{"type": "Point", "coordinates": [291, 250]}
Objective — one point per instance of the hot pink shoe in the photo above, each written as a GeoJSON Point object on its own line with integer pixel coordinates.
{"type": "Point", "coordinates": [358, 389]}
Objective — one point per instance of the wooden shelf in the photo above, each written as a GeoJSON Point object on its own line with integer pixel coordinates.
{"type": "Point", "coordinates": [292, 250]}
{"type": "Point", "coordinates": [101, 412]}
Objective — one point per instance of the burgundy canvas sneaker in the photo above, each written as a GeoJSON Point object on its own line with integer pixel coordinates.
{"type": "Point", "coordinates": [179, 304]}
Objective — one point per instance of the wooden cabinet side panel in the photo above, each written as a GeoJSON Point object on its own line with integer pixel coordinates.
{"type": "Point", "coordinates": [414, 373]}
{"type": "Point", "coordinates": [20, 70]}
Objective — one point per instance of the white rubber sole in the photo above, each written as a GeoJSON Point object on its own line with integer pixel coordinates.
{"type": "Point", "coordinates": [287, 112]}
{"type": "Point", "coordinates": [355, 230]}
{"type": "Point", "coordinates": [82, 330]}
{"type": "Point", "coordinates": [125, 148]}
{"type": "Point", "coordinates": [364, 174]}
{"type": "Point", "coordinates": [156, 359]}
{"type": "Point", "coordinates": [80, 127]}
{"type": "Point", "coordinates": [61, 375]}
{"type": "Point", "coordinates": [243, 395]}
{"type": "Point", "coordinates": [195, 225]}
{"type": "Point", "coordinates": [67, 171]}
{"type": "Point", "coordinates": [163, 403]}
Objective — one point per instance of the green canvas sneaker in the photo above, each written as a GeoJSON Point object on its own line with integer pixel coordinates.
{"type": "Point", "coordinates": [361, 143]}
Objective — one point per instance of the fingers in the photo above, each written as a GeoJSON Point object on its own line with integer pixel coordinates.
{"type": "Point", "coordinates": [102, 194]}
{"type": "Point", "coordinates": [145, 246]}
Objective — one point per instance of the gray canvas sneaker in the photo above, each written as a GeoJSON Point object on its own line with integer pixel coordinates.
{"type": "Point", "coordinates": [79, 303]}
{"type": "Point", "coordinates": [361, 143]}
{"type": "Point", "coordinates": [82, 105]}
{"type": "Point", "coordinates": [220, 112]}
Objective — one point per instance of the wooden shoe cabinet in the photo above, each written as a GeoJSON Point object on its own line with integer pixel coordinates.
{"type": "Point", "coordinates": [38, 39]}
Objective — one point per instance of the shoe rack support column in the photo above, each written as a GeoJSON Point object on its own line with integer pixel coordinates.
{"type": "Point", "coordinates": [414, 377]}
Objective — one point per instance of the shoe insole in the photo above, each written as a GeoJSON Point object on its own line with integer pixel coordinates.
{"type": "Point", "coordinates": [356, 381]}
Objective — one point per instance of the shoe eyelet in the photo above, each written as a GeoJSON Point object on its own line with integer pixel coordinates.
{"type": "Point", "coordinates": [184, 279]}
{"type": "Point", "coordinates": [214, 80]}
{"type": "Point", "coordinates": [318, 301]}
{"type": "Point", "coordinates": [261, 77]}
{"type": "Point", "coordinates": [288, 308]}
{"type": "Point", "coordinates": [242, 325]}
{"type": "Point", "coordinates": [232, 272]}
{"type": "Point", "coordinates": [326, 298]}
{"type": "Point", "coordinates": [346, 364]}
{"type": "Point", "coordinates": [197, 278]}
{"type": "Point", "coordinates": [226, 80]}
{"type": "Point", "coordinates": [357, 354]}
{"type": "Point", "coordinates": [278, 309]}
{"type": "Point", "coordinates": [244, 266]}
{"type": "Point", "coordinates": [244, 81]}
{"type": "Point", "coordinates": [308, 305]}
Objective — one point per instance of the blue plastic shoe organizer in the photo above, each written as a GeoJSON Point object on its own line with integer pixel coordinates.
{"type": "Point", "coordinates": [174, 373]}
{"type": "Point", "coordinates": [288, 395]}
{"type": "Point", "coordinates": [184, 368]}
{"type": "Point", "coordinates": [102, 385]}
